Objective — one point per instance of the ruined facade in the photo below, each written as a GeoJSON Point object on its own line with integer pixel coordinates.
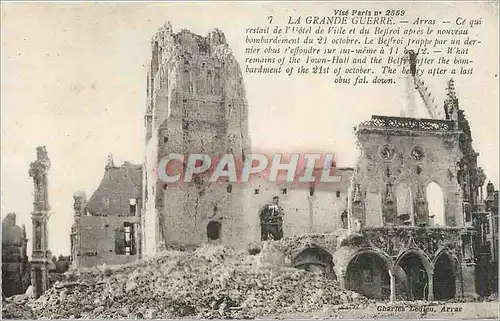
{"type": "Point", "coordinates": [418, 224]}
{"type": "Point", "coordinates": [409, 221]}
{"type": "Point", "coordinates": [41, 255]}
{"type": "Point", "coordinates": [401, 224]}
{"type": "Point", "coordinates": [106, 227]}
{"type": "Point", "coordinates": [15, 264]}
{"type": "Point", "coordinates": [404, 236]}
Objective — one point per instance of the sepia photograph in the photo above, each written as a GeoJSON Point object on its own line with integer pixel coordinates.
{"type": "Point", "coordinates": [250, 160]}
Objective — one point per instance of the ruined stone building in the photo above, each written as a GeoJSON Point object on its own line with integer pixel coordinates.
{"type": "Point", "coordinates": [15, 264]}
{"type": "Point", "coordinates": [408, 221]}
{"type": "Point", "coordinates": [106, 227]}
{"type": "Point", "coordinates": [196, 103]}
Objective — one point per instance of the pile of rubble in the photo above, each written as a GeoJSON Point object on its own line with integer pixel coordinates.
{"type": "Point", "coordinates": [209, 282]}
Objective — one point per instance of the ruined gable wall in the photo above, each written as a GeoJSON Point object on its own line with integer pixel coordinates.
{"type": "Point", "coordinates": [438, 165]}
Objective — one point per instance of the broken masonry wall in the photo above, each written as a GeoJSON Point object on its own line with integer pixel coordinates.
{"type": "Point", "coordinates": [304, 213]}
{"type": "Point", "coordinates": [15, 264]}
{"type": "Point", "coordinates": [379, 179]}
{"type": "Point", "coordinates": [98, 240]}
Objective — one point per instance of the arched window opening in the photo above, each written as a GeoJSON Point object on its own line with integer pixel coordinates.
{"type": "Point", "coordinates": [154, 60]}
{"type": "Point", "coordinates": [404, 203]}
{"type": "Point", "coordinates": [213, 230]}
{"type": "Point", "coordinates": [367, 274]}
{"type": "Point", "coordinates": [186, 81]}
{"type": "Point", "coordinates": [271, 221]}
{"type": "Point", "coordinates": [315, 260]}
{"type": "Point", "coordinates": [343, 217]}
{"type": "Point", "coordinates": [444, 278]}
{"type": "Point", "coordinates": [435, 203]}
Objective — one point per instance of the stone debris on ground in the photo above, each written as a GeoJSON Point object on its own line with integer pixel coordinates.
{"type": "Point", "coordinates": [209, 282]}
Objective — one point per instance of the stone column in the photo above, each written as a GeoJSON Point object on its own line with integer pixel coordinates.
{"type": "Point", "coordinates": [430, 277]}
{"type": "Point", "coordinates": [33, 281]}
{"type": "Point", "coordinates": [393, 286]}
{"type": "Point", "coordinates": [469, 280]}
{"type": "Point", "coordinates": [342, 280]}
{"type": "Point", "coordinates": [44, 278]}
{"type": "Point", "coordinates": [458, 282]}
{"type": "Point", "coordinates": [38, 171]}
{"type": "Point", "coordinates": [43, 236]}
{"type": "Point", "coordinates": [33, 230]}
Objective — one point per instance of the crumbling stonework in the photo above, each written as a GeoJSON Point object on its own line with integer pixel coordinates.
{"type": "Point", "coordinates": [106, 228]}
{"type": "Point", "coordinates": [409, 152]}
{"type": "Point", "coordinates": [379, 231]}
{"type": "Point", "coordinates": [41, 255]}
{"type": "Point", "coordinates": [306, 210]}
{"type": "Point", "coordinates": [15, 264]}
{"type": "Point", "coordinates": [396, 245]}
{"type": "Point", "coordinates": [400, 227]}
{"type": "Point", "coordinates": [196, 104]}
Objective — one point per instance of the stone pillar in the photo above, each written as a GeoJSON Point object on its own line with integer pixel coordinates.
{"type": "Point", "coordinates": [342, 280]}
{"type": "Point", "coordinates": [33, 280]}
{"type": "Point", "coordinates": [393, 286]}
{"type": "Point", "coordinates": [469, 280]}
{"type": "Point", "coordinates": [430, 277]}
{"type": "Point", "coordinates": [45, 280]}
{"type": "Point", "coordinates": [458, 282]}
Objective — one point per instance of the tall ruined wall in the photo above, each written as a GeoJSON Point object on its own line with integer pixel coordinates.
{"type": "Point", "coordinates": [196, 104]}
{"type": "Point", "coordinates": [409, 153]}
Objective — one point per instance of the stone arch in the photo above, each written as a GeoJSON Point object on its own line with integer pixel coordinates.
{"type": "Point", "coordinates": [315, 259]}
{"type": "Point", "coordinates": [446, 251]}
{"type": "Point", "coordinates": [445, 275]}
{"type": "Point", "coordinates": [418, 271]}
{"type": "Point", "coordinates": [405, 204]}
{"type": "Point", "coordinates": [369, 272]}
{"type": "Point", "coordinates": [418, 252]}
{"type": "Point", "coordinates": [435, 203]}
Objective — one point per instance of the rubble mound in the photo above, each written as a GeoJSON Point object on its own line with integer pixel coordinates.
{"type": "Point", "coordinates": [209, 282]}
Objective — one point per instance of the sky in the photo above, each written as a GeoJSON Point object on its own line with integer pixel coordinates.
{"type": "Point", "coordinates": [74, 80]}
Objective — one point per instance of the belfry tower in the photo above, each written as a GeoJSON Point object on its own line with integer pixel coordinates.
{"type": "Point", "coordinates": [196, 104]}
{"type": "Point", "coordinates": [41, 255]}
